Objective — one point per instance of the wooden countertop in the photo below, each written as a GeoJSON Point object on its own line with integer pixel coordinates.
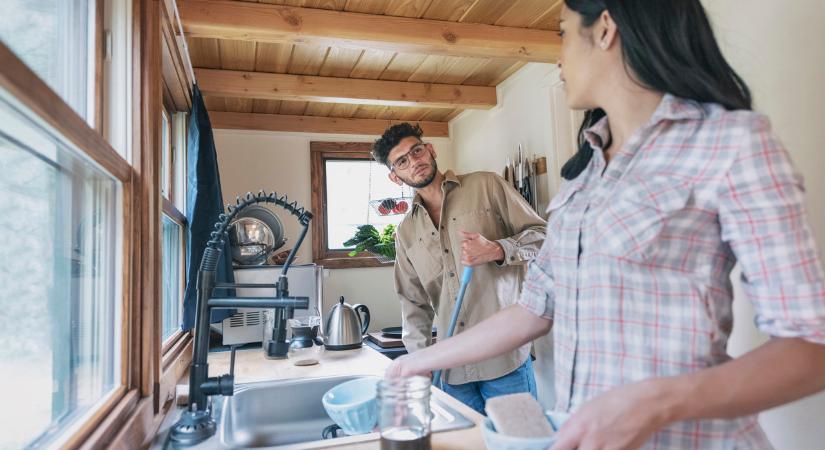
{"type": "Point", "coordinates": [250, 366]}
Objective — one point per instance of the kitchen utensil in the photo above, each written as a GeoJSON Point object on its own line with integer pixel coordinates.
{"type": "Point", "coordinates": [395, 332]}
{"type": "Point", "coordinates": [254, 234]}
{"type": "Point", "coordinates": [344, 328]}
{"type": "Point", "coordinates": [494, 440]}
{"type": "Point", "coordinates": [466, 276]}
{"type": "Point", "coordinates": [353, 405]}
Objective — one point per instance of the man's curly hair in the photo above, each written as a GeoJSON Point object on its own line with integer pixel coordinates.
{"type": "Point", "coordinates": [391, 137]}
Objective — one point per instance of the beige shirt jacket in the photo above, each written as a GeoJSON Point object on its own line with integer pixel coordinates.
{"type": "Point", "coordinates": [428, 264]}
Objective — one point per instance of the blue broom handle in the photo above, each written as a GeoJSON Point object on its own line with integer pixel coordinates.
{"type": "Point", "coordinates": [466, 276]}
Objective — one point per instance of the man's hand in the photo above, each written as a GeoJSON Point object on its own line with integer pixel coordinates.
{"type": "Point", "coordinates": [621, 418]}
{"type": "Point", "coordinates": [477, 250]}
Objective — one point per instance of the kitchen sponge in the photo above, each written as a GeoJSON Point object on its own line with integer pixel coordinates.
{"type": "Point", "coordinates": [518, 415]}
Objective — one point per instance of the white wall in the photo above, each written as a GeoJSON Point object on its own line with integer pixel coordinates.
{"type": "Point", "coordinates": [482, 140]}
{"type": "Point", "coordinates": [252, 160]}
{"type": "Point", "coordinates": [777, 48]}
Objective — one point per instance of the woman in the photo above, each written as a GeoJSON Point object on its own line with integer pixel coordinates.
{"type": "Point", "coordinates": [676, 180]}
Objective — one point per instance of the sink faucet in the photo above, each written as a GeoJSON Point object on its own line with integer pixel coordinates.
{"type": "Point", "coordinates": [196, 423]}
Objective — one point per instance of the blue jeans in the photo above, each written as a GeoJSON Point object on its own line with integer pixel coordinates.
{"type": "Point", "coordinates": [475, 393]}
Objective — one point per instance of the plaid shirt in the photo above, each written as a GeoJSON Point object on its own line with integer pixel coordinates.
{"type": "Point", "coordinates": [635, 270]}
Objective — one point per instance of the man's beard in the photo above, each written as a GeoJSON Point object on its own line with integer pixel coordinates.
{"type": "Point", "coordinates": [427, 180]}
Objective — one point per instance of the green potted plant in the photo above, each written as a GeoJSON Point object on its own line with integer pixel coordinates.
{"type": "Point", "coordinates": [368, 238]}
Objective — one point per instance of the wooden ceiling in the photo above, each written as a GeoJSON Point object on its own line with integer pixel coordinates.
{"type": "Point", "coordinates": [356, 65]}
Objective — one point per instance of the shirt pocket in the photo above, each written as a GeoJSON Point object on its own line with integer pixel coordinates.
{"type": "Point", "coordinates": [483, 221]}
{"type": "Point", "coordinates": [630, 224]}
{"type": "Point", "coordinates": [425, 257]}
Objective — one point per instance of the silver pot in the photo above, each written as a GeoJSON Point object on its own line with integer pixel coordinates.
{"type": "Point", "coordinates": [344, 328]}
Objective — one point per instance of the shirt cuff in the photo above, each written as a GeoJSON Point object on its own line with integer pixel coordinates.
{"type": "Point", "coordinates": [513, 254]}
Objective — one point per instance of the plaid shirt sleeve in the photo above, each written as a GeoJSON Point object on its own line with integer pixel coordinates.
{"type": "Point", "coordinates": [537, 294]}
{"type": "Point", "coordinates": [764, 221]}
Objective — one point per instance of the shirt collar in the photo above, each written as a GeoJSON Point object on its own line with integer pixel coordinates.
{"type": "Point", "coordinates": [449, 178]}
{"type": "Point", "coordinates": [671, 108]}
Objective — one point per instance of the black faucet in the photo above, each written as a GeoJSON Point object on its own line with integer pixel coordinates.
{"type": "Point", "coordinates": [196, 423]}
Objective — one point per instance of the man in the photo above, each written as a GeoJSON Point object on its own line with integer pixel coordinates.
{"type": "Point", "coordinates": [459, 220]}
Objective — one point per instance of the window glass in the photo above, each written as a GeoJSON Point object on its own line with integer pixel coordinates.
{"type": "Point", "coordinates": [172, 276]}
{"type": "Point", "coordinates": [54, 38]}
{"type": "Point", "coordinates": [350, 186]}
{"type": "Point", "coordinates": [60, 272]}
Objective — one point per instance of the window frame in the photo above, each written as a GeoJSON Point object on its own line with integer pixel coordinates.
{"type": "Point", "coordinates": [33, 93]}
{"type": "Point", "coordinates": [320, 152]}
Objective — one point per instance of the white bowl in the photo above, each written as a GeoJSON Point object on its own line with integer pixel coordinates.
{"type": "Point", "coordinates": [497, 441]}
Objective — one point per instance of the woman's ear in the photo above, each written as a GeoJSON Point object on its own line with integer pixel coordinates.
{"type": "Point", "coordinates": [607, 31]}
{"type": "Point", "coordinates": [394, 178]}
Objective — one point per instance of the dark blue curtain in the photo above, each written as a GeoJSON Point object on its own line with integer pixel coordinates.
{"type": "Point", "coordinates": [204, 203]}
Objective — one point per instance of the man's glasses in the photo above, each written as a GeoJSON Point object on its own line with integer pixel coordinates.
{"type": "Point", "coordinates": [403, 161]}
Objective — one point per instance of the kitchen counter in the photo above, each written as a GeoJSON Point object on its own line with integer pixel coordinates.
{"type": "Point", "coordinates": [251, 366]}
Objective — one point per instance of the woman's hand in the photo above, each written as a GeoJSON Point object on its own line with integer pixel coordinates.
{"type": "Point", "coordinates": [621, 418]}
{"type": "Point", "coordinates": [404, 366]}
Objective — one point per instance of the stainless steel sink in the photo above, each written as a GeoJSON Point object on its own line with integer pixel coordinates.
{"type": "Point", "coordinates": [289, 414]}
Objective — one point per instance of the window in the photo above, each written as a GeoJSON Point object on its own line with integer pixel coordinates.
{"type": "Point", "coordinates": [173, 179]}
{"type": "Point", "coordinates": [172, 248]}
{"type": "Point", "coordinates": [345, 180]}
{"type": "Point", "coordinates": [60, 303]}
{"type": "Point", "coordinates": [55, 38]}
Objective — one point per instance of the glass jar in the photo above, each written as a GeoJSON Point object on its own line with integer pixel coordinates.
{"type": "Point", "coordinates": [404, 413]}
{"type": "Point", "coordinates": [305, 348]}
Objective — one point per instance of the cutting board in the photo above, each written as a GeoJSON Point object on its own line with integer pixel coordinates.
{"type": "Point", "coordinates": [386, 342]}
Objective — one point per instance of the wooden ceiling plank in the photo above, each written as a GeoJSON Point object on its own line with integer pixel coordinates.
{"type": "Point", "coordinates": [524, 12]}
{"type": "Point", "coordinates": [372, 64]}
{"type": "Point", "coordinates": [340, 62]}
{"type": "Point", "coordinates": [203, 52]}
{"type": "Point", "coordinates": [449, 10]}
{"type": "Point", "coordinates": [273, 23]}
{"type": "Point", "coordinates": [402, 65]}
{"type": "Point", "coordinates": [272, 57]}
{"type": "Point", "coordinates": [407, 8]}
{"type": "Point", "coordinates": [240, 84]}
{"type": "Point", "coordinates": [309, 124]}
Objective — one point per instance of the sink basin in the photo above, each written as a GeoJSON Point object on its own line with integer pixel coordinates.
{"type": "Point", "coordinates": [288, 414]}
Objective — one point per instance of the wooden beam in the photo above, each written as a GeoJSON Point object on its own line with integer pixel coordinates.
{"type": "Point", "coordinates": [311, 124]}
{"type": "Point", "coordinates": [275, 23]}
{"type": "Point", "coordinates": [273, 86]}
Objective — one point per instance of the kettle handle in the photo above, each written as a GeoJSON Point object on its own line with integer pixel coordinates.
{"type": "Point", "coordinates": [365, 322]}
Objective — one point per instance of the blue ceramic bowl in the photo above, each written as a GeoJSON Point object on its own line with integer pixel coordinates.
{"type": "Point", "coordinates": [353, 405]}
{"type": "Point", "coordinates": [497, 441]}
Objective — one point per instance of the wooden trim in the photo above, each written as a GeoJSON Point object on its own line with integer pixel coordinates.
{"type": "Point", "coordinates": [274, 23]}
{"type": "Point", "coordinates": [29, 89]}
{"type": "Point", "coordinates": [149, 191]}
{"type": "Point", "coordinates": [274, 86]}
{"type": "Point", "coordinates": [112, 422]}
{"type": "Point", "coordinates": [321, 255]}
{"type": "Point", "coordinates": [311, 124]}
{"type": "Point", "coordinates": [100, 34]}
{"type": "Point", "coordinates": [176, 77]}
{"type": "Point", "coordinates": [170, 210]}
{"type": "Point", "coordinates": [139, 428]}
{"type": "Point", "coordinates": [174, 366]}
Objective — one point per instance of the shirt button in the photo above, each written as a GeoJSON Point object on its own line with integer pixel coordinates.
{"type": "Point", "coordinates": [461, 324]}
{"type": "Point", "coordinates": [446, 251]}
{"type": "Point", "coordinates": [452, 274]}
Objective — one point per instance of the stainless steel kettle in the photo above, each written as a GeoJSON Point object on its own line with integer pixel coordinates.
{"type": "Point", "coordinates": [344, 328]}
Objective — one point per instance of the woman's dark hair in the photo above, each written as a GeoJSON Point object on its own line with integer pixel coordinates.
{"type": "Point", "coordinates": [668, 46]}
{"type": "Point", "coordinates": [391, 137]}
